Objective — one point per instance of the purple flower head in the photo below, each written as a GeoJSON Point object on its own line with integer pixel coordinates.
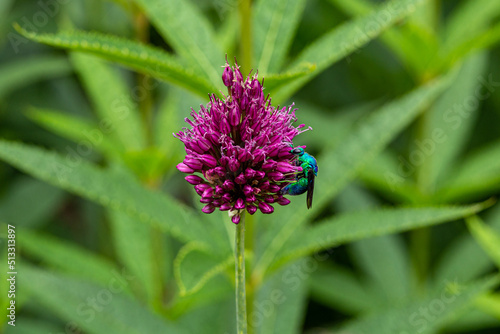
{"type": "Point", "coordinates": [239, 148]}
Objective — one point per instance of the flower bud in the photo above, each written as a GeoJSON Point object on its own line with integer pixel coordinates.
{"type": "Point", "coordinates": [265, 208]}
{"type": "Point", "coordinates": [227, 76]}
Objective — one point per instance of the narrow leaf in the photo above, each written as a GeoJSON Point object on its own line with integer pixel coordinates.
{"type": "Point", "coordinates": [383, 259]}
{"type": "Point", "coordinates": [44, 201]}
{"type": "Point", "coordinates": [343, 40]}
{"type": "Point", "coordinates": [112, 190]}
{"type": "Point", "coordinates": [415, 317]}
{"type": "Point", "coordinates": [189, 33]}
{"type": "Point", "coordinates": [111, 99]}
{"type": "Point", "coordinates": [477, 13]}
{"type": "Point", "coordinates": [359, 225]}
{"type": "Point", "coordinates": [19, 73]}
{"type": "Point", "coordinates": [477, 174]}
{"type": "Point", "coordinates": [219, 314]}
{"type": "Point", "coordinates": [464, 252]}
{"type": "Point", "coordinates": [486, 237]}
{"type": "Point", "coordinates": [274, 23]}
{"type": "Point", "coordinates": [108, 310]}
{"type": "Point", "coordinates": [490, 304]}
{"type": "Point", "coordinates": [193, 267]}
{"type": "Point", "coordinates": [142, 58]}
{"type": "Point", "coordinates": [69, 258]}
{"type": "Point", "coordinates": [25, 325]}
{"type": "Point", "coordinates": [273, 82]}
{"type": "Point", "coordinates": [391, 175]}
{"type": "Point", "coordinates": [279, 303]}
{"type": "Point", "coordinates": [82, 131]}
{"type": "Point", "coordinates": [212, 292]}
{"type": "Point", "coordinates": [134, 247]}
{"type": "Point", "coordinates": [386, 262]}
{"type": "Point", "coordinates": [412, 42]}
{"type": "Point", "coordinates": [340, 289]}
{"type": "Point", "coordinates": [448, 123]}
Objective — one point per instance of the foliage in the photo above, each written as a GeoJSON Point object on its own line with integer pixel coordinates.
{"type": "Point", "coordinates": [403, 99]}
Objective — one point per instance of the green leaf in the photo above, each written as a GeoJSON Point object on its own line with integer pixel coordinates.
{"type": "Point", "coordinates": [482, 41]}
{"type": "Point", "coordinates": [477, 174]}
{"type": "Point", "coordinates": [43, 198]}
{"type": "Point", "coordinates": [447, 124]}
{"type": "Point", "coordinates": [349, 227]}
{"type": "Point", "coordinates": [473, 320]}
{"type": "Point", "coordinates": [274, 25]}
{"type": "Point", "coordinates": [273, 82]}
{"type": "Point", "coordinates": [341, 289]}
{"type": "Point", "coordinates": [189, 33]}
{"type": "Point", "coordinates": [142, 58]}
{"type": "Point", "coordinates": [412, 43]}
{"type": "Point", "coordinates": [464, 252]}
{"type": "Point", "coordinates": [134, 248]}
{"type": "Point", "coordinates": [386, 263]}
{"type": "Point", "coordinates": [388, 174]}
{"type": "Point", "coordinates": [219, 314]}
{"type": "Point", "coordinates": [422, 316]}
{"type": "Point", "coordinates": [111, 99]}
{"type": "Point", "coordinates": [193, 267]}
{"type": "Point", "coordinates": [212, 292]}
{"type": "Point", "coordinates": [68, 258]}
{"type": "Point", "coordinates": [109, 311]}
{"type": "Point", "coordinates": [383, 259]}
{"type": "Point", "coordinates": [477, 13]}
{"type": "Point", "coordinates": [170, 117]}
{"type": "Point", "coordinates": [486, 237]}
{"type": "Point", "coordinates": [81, 131]}
{"type": "Point", "coordinates": [279, 304]}
{"type": "Point", "coordinates": [115, 191]}
{"type": "Point", "coordinates": [19, 73]}
{"type": "Point", "coordinates": [330, 129]}
{"type": "Point", "coordinates": [5, 7]}
{"type": "Point", "coordinates": [343, 40]}
{"type": "Point", "coordinates": [25, 325]}
{"type": "Point", "coordinates": [490, 304]}
{"type": "Point", "coordinates": [227, 35]}
{"type": "Point", "coordinates": [338, 166]}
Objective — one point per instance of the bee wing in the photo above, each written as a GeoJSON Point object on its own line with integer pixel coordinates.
{"type": "Point", "coordinates": [310, 188]}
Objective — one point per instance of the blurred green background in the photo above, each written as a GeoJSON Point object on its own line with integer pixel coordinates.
{"type": "Point", "coordinates": [404, 100]}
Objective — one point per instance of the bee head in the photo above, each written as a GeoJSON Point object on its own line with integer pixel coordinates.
{"type": "Point", "coordinates": [297, 151]}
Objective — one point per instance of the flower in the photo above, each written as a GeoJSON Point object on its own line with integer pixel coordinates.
{"type": "Point", "coordinates": [239, 148]}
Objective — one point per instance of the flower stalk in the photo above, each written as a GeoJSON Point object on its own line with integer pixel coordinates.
{"type": "Point", "coordinates": [239, 253]}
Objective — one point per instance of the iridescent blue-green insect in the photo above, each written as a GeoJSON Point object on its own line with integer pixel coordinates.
{"type": "Point", "coordinates": [304, 181]}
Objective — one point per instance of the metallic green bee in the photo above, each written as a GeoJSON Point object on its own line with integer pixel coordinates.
{"type": "Point", "coordinates": [304, 181]}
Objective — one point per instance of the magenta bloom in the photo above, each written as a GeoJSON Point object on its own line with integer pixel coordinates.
{"type": "Point", "coordinates": [240, 149]}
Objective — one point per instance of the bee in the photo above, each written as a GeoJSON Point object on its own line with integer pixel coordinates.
{"type": "Point", "coordinates": [304, 181]}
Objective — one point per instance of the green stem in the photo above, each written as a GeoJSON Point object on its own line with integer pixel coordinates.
{"type": "Point", "coordinates": [245, 9]}
{"type": "Point", "coordinates": [249, 246]}
{"type": "Point", "coordinates": [239, 253]}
